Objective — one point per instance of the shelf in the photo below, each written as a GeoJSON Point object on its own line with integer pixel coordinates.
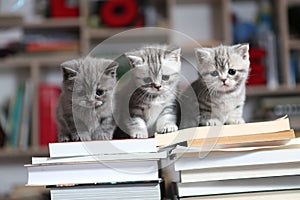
{"type": "Point", "coordinates": [10, 20]}
{"type": "Point", "coordinates": [14, 153]}
{"type": "Point", "coordinates": [108, 32]}
{"type": "Point", "coordinates": [27, 60]}
{"type": "Point", "coordinates": [294, 44]}
{"type": "Point", "coordinates": [265, 91]}
{"type": "Point", "coordinates": [54, 23]}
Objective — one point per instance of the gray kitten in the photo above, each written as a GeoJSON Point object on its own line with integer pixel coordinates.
{"type": "Point", "coordinates": [152, 103]}
{"type": "Point", "coordinates": [223, 72]}
{"type": "Point", "coordinates": [84, 110]}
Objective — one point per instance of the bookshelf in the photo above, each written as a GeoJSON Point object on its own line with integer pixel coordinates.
{"type": "Point", "coordinates": [221, 29]}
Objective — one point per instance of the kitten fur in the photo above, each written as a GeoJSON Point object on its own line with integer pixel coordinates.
{"type": "Point", "coordinates": [151, 106]}
{"type": "Point", "coordinates": [84, 110]}
{"type": "Point", "coordinates": [221, 86]}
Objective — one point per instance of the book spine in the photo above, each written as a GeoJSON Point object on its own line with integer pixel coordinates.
{"type": "Point", "coordinates": [17, 118]}
{"type": "Point", "coordinates": [48, 97]}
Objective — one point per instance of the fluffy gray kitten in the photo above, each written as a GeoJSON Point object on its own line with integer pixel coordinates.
{"type": "Point", "coordinates": [84, 110]}
{"type": "Point", "coordinates": [152, 103]}
{"type": "Point", "coordinates": [220, 88]}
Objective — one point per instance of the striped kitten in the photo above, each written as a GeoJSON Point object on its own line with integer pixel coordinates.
{"type": "Point", "coordinates": [223, 72]}
{"type": "Point", "coordinates": [152, 106]}
{"type": "Point", "coordinates": [84, 110]}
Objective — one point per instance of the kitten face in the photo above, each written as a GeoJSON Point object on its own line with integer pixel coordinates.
{"type": "Point", "coordinates": [155, 68]}
{"type": "Point", "coordinates": [224, 68]}
{"type": "Point", "coordinates": [93, 80]}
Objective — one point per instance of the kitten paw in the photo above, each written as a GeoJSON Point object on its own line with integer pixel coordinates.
{"type": "Point", "coordinates": [211, 122]}
{"type": "Point", "coordinates": [82, 137]}
{"type": "Point", "coordinates": [168, 128]}
{"type": "Point", "coordinates": [101, 137]}
{"type": "Point", "coordinates": [139, 135]}
{"type": "Point", "coordinates": [235, 121]}
{"type": "Point", "coordinates": [63, 138]}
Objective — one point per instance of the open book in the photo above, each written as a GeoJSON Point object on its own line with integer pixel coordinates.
{"type": "Point", "coordinates": [275, 130]}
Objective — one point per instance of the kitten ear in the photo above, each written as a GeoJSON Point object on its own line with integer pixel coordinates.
{"type": "Point", "coordinates": [70, 69]}
{"type": "Point", "coordinates": [174, 53]}
{"type": "Point", "coordinates": [243, 50]}
{"type": "Point", "coordinates": [111, 69]}
{"type": "Point", "coordinates": [202, 53]}
{"type": "Point", "coordinates": [134, 59]}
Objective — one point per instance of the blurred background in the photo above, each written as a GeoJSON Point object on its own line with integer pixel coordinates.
{"type": "Point", "coordinates": [37, 35]}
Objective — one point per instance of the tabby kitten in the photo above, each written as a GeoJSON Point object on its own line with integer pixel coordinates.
{"type": "Point", "coordinates": [84, 110]}
{"type": "Point", "coordinates": [223, 72]}
{"type": "Point", "coordinates": [152, 105]}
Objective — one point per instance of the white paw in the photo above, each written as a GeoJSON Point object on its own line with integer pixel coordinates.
{"type": "Point", "coordinates": [102, 136]}
{"type": "Point", "coordinates": [168, 128]}
{"type": "Point", "coordinates": [211, 122]}
{"type": "Point", "coordinates": [139, 135]}
{"type": "Point", "coordinates": [83, 136]}
{"type": "Point", "coordinates": [235, 121]}
{"type": "Point", "coordinates": [63, 138]}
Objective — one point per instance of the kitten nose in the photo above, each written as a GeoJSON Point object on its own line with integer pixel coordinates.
{"type": "Point", "coordinates": [157, 86]}
{"type": "Point", "coordinates": [224, 81]}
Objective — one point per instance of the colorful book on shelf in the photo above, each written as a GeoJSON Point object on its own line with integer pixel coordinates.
{"type": "Point", "coordinates": [48, 98]}
{"type": "Point", "coordinates": [25, 125]}
{"type": "Point", "coordinates": [98, 147]}
{"type": "Point", "coordinates": [229, 134]}
{"type": "Point", "coordinates": [17, 115]}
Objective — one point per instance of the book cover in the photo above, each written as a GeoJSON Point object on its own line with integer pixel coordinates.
{"type": "Point", "coordinates": [240, 172]}
{"type": "Point", "coordinates": [245, 140]}
{"type": "Point", "coordinates": [92, 172]}
{"type": "Point", "coordinates": [96, 147]}
{"type": "Point", "coordinates": [217, 132]}
{"type": "Point", "coordinates": [101, 157]}
{"type": "Point", "coordinates": [238, 186]}
{"type": "Point", "coordinates": [238, 158]}
{"type": "Point", "coordinates": [148, 190]}
{"type": "Point", "coordinates": [274, 195]}
{"type": "Point", "coordinates": [48, 98]}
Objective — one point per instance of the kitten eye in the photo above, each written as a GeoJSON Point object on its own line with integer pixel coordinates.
{"type": "Point", "coordinates": [165, 77]}
{"type": "Point", "coordinates": [214, 73]}
{"type": "Point", "coordinates": [231, 71]}
{"type": "Point", "coordinates": [148, 80]}
{"type": "Point", "coordinates": [99, 92]}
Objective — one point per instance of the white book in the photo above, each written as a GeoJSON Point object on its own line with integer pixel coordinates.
{"type": "Point", "coordinates": [92, 172]}
{"type": "Point", "coordinates": [86, 148]}
{"type": "Point", "coordinates": [105, 157]}
{"type": "Point", "coordinates": [231, 159]}
{"type": "Point", "coordinates": [132, 191]}
{"type": "Point", "coordinates": [274, 195]}
{"type": "Point", "coordinates": [239, 172]}
{"type": "Point", "coordinates": [238, 186]}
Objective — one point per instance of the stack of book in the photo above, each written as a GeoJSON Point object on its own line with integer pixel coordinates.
{"type": "Point", "coordinates": [118, 169]}
{"type": "Point", "coordinates": [249, 161]}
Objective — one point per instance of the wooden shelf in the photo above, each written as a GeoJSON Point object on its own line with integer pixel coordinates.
{"type": "Point", "coordinates": [108, 32]}
{"type": "Point", "coordinates": [43, 60]}
{"type": "Point", "coordinates": [265, 91]}
{"type": "Point", "coordinates": [294, 44]}
{"type": "Point", "coordinates": [14, 153]}
{"type": "Point", "coordinates": [54, 23]}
